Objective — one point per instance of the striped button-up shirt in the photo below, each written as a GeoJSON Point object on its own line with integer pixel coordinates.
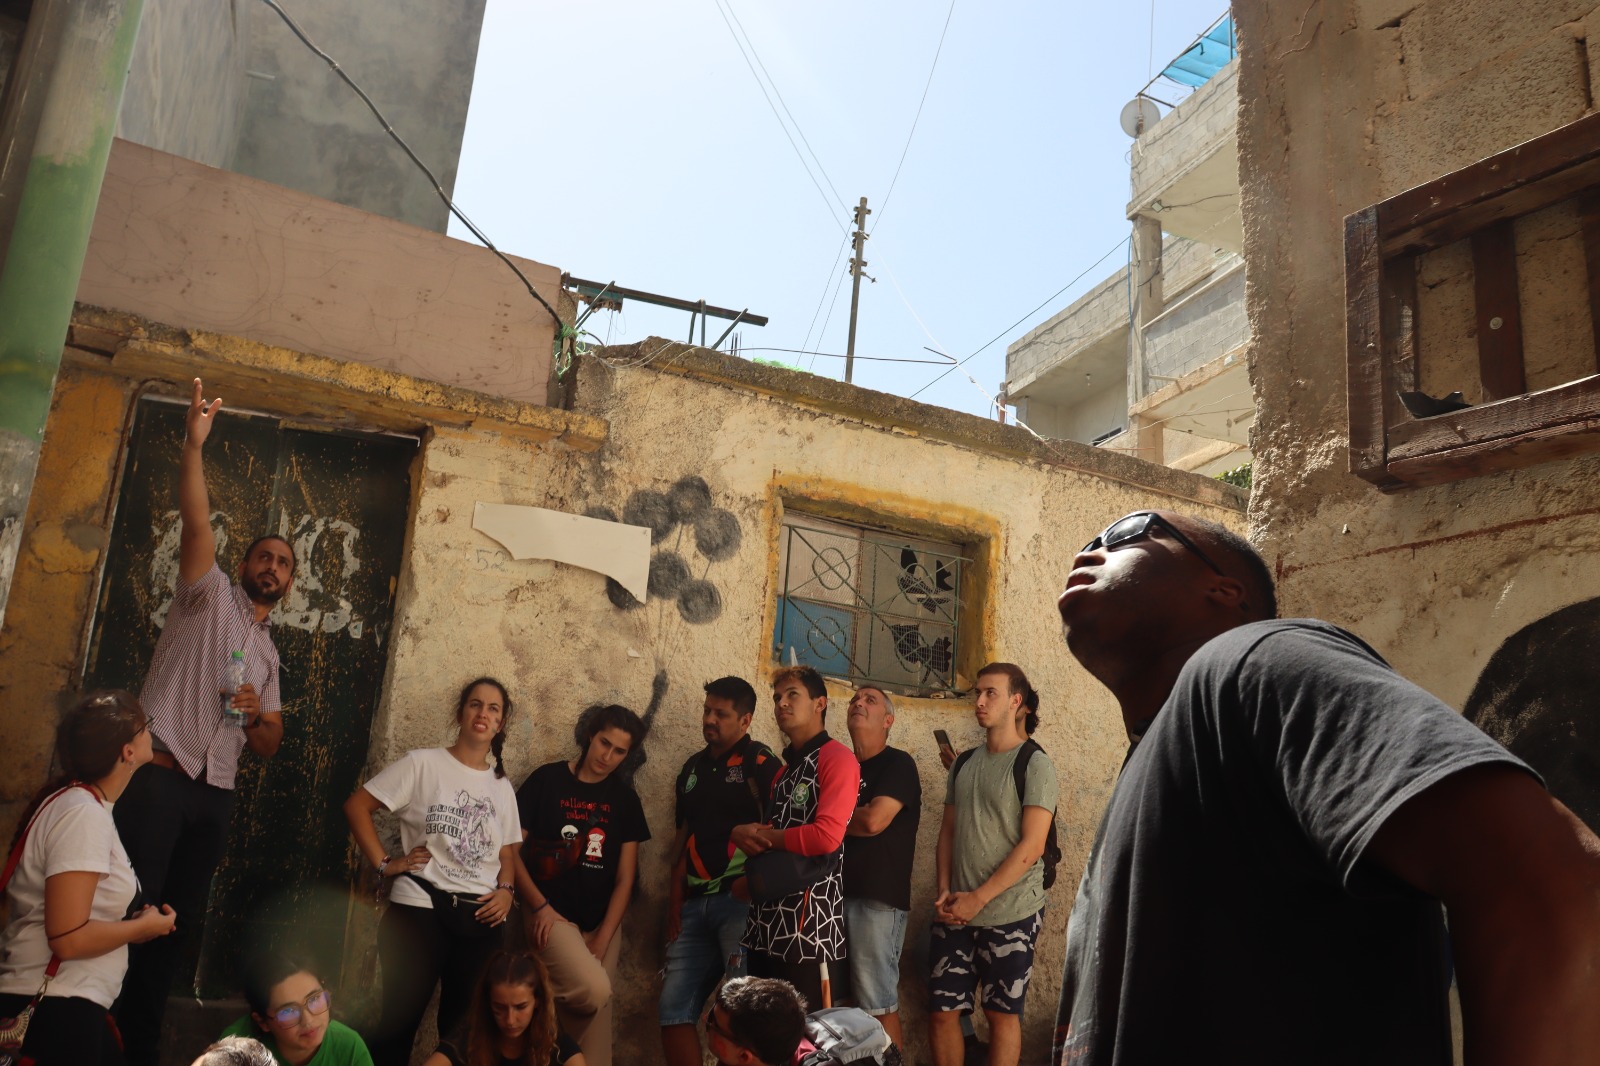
{"type": "Point", "coordinates": [208, 621]}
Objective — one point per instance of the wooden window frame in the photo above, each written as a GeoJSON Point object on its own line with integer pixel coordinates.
{"type": "Point", "coordinates": [1384, 245]}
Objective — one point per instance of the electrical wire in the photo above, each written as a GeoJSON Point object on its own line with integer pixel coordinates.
{"type": "Point", "coordinates": [1044, 303]}
{"type": "Point", "coordinates": [826, 282]}
{"type": "Point", "coordinates": [838, 355]}
{"type": "Point", "coordinates": [915, 118]}
{"type": "Point", "coordinates": [838, 287]}
{"type": "Point", "coordinates": [775, 92]}
{"type": "Point", "coordinates": [438, 188]}
{"type": "Point", "coordinates": [768, 97]}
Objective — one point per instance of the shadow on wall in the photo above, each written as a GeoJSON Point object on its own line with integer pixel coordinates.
{"type": "Point", "coordinates": [1537, 697]}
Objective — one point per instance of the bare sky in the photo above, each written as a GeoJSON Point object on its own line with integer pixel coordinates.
{"type": "Point", "coordinates": [629, 141]}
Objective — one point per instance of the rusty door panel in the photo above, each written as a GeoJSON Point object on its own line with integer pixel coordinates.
{"type": "Point", "coordinates": [342, 501]}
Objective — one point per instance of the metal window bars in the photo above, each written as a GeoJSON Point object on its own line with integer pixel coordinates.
{"type": "Point", "coordinates": [870, 606]}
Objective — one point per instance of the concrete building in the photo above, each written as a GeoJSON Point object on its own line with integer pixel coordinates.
{"type": "Point", "coordinates": [1150, 361]}
{"type": "Point", "coordinates": [1463, 545]}
{"type": "Point", "coordinates": [229, 85]}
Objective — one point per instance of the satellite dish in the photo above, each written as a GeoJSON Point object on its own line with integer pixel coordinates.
{"type": "Point", "coordinates": [1139, 115]}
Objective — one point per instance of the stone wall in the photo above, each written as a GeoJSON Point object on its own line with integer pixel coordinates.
{"type": "Point", "coordinates": [1345, 103]}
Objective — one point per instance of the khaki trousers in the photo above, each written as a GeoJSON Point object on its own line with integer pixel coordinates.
{"type": "Point", "coordinates": [581, 985]}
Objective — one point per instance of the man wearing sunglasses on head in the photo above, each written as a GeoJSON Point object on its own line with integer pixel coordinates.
{"type": "Point", "coordinates": [1266, 881]}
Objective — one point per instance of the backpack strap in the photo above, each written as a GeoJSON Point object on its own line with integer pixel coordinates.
{"type": "Point", "coordinates": [1019, 769]}
{"type": "Point", "coordinates": [961, 760]}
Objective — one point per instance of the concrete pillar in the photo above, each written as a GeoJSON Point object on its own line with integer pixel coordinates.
{"type": "Point", "coordinates": [62, 127]}
{"type": "Point", "coordinates": [1148, 298]}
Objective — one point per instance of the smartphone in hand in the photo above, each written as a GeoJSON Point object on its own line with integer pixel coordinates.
{"type": "Point", "coordinates": [947, 751]}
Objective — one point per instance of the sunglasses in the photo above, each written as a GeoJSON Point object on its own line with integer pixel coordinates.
{"type": "Point", "coordinates": [1129, 529]}
{"type": "Point", "coordinates": [289, 1015]}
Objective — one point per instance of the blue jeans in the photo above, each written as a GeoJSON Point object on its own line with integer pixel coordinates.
{"type": "Point", "coordinates": [707, 946]}
{"type": "Point", "coordinates": [875, 932]}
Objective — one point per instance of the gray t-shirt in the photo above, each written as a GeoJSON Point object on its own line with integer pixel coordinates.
{"type": "Point", "coordinates": [989, 825]}
{"type": "Point", "coordinates": [1229, 912]}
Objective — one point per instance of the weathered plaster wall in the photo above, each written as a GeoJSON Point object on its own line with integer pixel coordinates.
{"type": "Point", "coordinates": [763, 439]}
{"type": "Point", "coordinates": [187, 80]}
{"type": "Point", "coordinates": [1344, 103]}
{"type": "Point", "coordinates": [202, 248]}
{"type": "Point", "coordinates": [551, 633]}
{"type": "Point", "coordinates": [304, 128]}
{"type": "Point", "coordinates": [57, 574]}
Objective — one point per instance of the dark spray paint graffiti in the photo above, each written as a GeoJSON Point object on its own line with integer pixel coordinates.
{"type": "Point", "coordinates": [1536, 696]}
{"type": "Point", "coordinates": [685, 508]}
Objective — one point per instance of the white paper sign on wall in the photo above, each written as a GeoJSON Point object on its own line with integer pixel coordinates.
{"type": "Point", "coordinates": [614, 549]}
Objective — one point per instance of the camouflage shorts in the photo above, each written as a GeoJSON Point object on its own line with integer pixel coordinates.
{"type": "Point", "coordinates": [995, 962]}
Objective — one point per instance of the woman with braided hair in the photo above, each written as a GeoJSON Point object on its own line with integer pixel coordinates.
{"type": "Point", "coordinates": [453, 883]}
{"type": "Point", "coordinates": [74, 899]}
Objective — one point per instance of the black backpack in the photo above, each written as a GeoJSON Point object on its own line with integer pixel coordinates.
{"type": "Point", "coordinates": [1019, 773]}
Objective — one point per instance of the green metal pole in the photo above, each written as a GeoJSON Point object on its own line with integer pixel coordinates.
{"type": "Point", "coordinates": [45, 256]}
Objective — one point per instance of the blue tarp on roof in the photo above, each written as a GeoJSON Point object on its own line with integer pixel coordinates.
{"type": "Point", "coordinates": [1200, 63]}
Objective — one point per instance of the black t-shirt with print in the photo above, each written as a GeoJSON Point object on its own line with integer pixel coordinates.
{"type": "Point", "coordinates": [1229, 911]}
{"type": "Point", "coordinates": [565, 1048]}
{"type": "Point", "coordinates": [714, 794]}
{"type": "Point", "coordinates": [575, 837]}
{"type": "Point", "coordinates": [879, 867]}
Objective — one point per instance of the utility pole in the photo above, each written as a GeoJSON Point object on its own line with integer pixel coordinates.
{"type": "Point", "coordinates": [855, 286]}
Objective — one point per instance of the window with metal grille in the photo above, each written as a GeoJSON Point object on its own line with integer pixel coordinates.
{"type": "Point", "coordinates": [869, 604]}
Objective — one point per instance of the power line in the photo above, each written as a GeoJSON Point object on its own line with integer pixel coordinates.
{"type": "Point", "coordinates": [836, 355]}
{"type": "Point", "coordinates": [827, 281]}
{"type": "Point", "coordinates": [838, 287]}
{"type": "Point", "coordinates": [1047, 300]}
{"type": "Point", "coordinates": [915, 118]}
{"type": "Point", "coordinates": [775, 92]}
{"type": "Point", "coordinates": [768, 97]}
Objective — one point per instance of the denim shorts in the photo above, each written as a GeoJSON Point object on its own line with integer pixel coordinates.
{"type": "Point", "coordinates": [994, 961]}
{"type": "Point", "coordinates": [707, 946]}
{"type": "Point", "coordinates": [875, 933]}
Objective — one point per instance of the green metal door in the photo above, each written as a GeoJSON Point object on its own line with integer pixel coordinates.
{"type": "Point", "coordinates": [341, 499]}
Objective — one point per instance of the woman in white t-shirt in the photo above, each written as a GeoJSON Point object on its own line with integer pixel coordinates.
{"type": "Point", "coordinates": [73, 891]}
{"type": "Point", "coordinates": [452, 888]}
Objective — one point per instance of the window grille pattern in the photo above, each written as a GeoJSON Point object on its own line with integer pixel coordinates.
{"type": "Point", "coordinates": [869, 605]}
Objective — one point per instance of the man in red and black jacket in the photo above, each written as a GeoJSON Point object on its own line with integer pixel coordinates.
{"type": "Point", "coordinates": [811, 804]}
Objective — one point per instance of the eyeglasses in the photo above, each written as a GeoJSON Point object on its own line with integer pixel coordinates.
{"type": "Point", "coordinates": [1134, 526]}
{"type": "Point", "coordinates": [713, 1027]}
{"type": "Point", "coordinates": [289, 1015]}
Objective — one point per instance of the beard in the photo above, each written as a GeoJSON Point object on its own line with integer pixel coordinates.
{"type": "Point", "coordinates": [252, 588]}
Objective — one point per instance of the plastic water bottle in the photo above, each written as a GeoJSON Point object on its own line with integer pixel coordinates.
{"type": "Point", "coordinates": [233, 681]}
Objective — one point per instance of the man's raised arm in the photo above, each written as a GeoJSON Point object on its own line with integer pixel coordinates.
{"type": "Point", "coordinates": [1519, 875]}
{"type": "Point", "coordinates": [197, 545]}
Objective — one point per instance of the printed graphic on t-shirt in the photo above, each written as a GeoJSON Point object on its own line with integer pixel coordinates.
{"type": "Point", "coordinates": [467, 824]}
{"type": "Point", "coordinates": [588, 819]}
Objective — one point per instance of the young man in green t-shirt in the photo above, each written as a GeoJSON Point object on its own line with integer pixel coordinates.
{"type": "Point", "coordinates": [991, 880]}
